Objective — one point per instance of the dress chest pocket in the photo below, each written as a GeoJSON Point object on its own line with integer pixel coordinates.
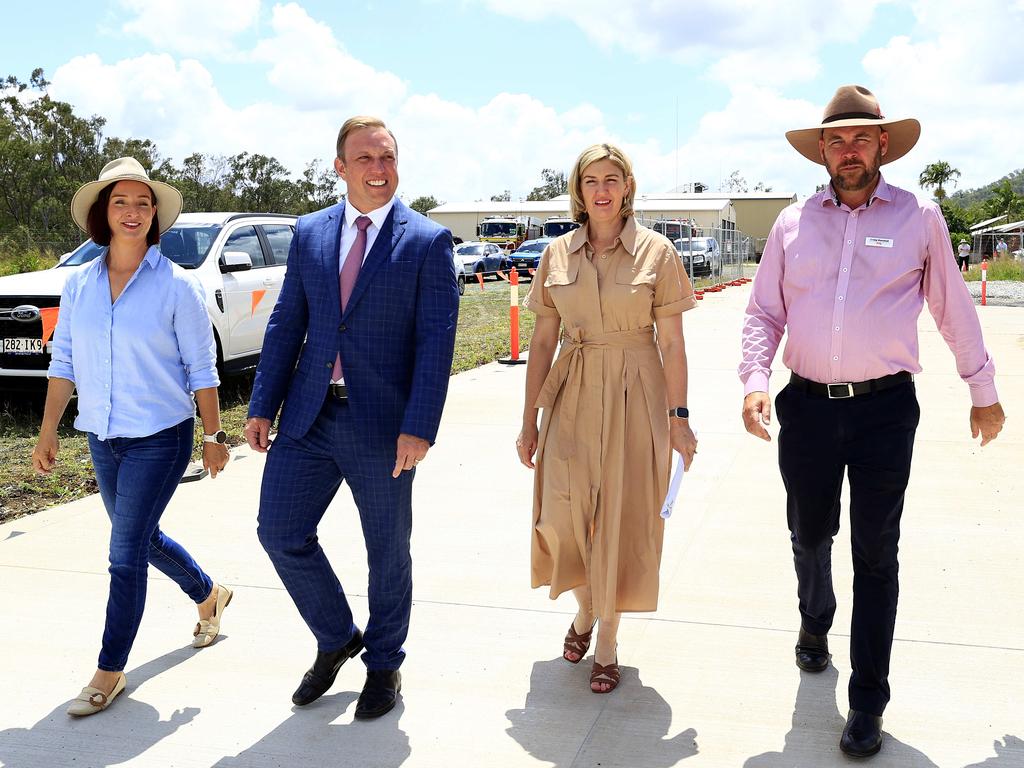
{"type": "Point", "coordinates": [628, 274]}
{"type": "Point", "coordinates": [557, 277]}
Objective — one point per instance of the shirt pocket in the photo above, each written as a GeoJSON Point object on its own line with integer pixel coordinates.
{"type": "Point", "coordinates": [561, 276]}
{"type": "Point", "coordinates": [630, 274]}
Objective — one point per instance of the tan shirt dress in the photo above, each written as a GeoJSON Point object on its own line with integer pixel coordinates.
{"type": "Point", "coordinates": [603, 459]}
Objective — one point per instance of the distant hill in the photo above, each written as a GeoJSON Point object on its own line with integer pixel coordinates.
{"type": "Point", "coordinates": [967, 197]}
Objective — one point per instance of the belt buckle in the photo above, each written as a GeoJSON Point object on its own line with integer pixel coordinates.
{"type": "Point", "coordinates": [844, 392]}
{"type": "Point", "coordinates": [338, 391]}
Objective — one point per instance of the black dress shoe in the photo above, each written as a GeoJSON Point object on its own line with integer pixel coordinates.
{"type": "Point", "coordinates": [379, 693]}
{"type": "Point", "coordinates": [811, 651]}
{"type": "Point", "coordinates": [862, 736]}
{"type": "Point", "coordinates": [325, 668]}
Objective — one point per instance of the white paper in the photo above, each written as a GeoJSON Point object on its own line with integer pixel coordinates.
{"type": "Point", "coordinates": [673, 487]}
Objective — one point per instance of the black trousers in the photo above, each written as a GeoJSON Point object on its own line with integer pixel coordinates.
{"type": "Point", "coordinates": [871, 438]}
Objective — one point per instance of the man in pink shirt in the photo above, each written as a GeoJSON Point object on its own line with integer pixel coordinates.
{"type": "Point", "coordinates": [845, 273]}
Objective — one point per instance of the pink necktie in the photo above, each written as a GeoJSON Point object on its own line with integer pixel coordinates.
{"type": "Point", "coordinates": [349, 273]}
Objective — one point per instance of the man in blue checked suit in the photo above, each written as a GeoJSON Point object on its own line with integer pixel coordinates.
{"type": "Point", "coordinates": [371, 290]}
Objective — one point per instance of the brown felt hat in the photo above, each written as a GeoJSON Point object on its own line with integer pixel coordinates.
{"type": "Point", "coordinates": [168, 199]}
{"type": "Point", "coordinates": [855, 105]}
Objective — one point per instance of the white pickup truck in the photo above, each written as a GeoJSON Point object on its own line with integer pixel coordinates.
{"type": "Point", "coordinates": [240, 261]}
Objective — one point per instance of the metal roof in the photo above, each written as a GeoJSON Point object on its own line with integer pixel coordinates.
{"type": "Point", "coordinates": [552, 207]}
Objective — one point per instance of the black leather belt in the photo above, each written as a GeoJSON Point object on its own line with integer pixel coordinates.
{"type": "Point", "coordinates": [337, 391]}
{"type": "Point", "coordinates": [847, 389]}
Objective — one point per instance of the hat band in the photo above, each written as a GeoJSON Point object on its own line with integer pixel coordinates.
{"type": "Point", "coordinates": [852, 116]}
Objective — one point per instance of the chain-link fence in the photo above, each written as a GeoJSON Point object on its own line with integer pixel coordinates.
{"type": "Point", "coordinates": [711, 255]}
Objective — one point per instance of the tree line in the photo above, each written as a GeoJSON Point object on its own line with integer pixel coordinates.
{"type": "Point", "coordinates": [963, 210]}
{"type": "Point", "coordinates": [47, 151]}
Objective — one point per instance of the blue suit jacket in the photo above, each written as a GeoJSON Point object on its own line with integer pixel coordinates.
{"type": "Point", "coordinates": [396, 337]}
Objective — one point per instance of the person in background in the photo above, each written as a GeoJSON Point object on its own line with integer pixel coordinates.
{"type": "Point", "coordinates": [615, 406]}
{"type": "Point", "coordinates": [963, 255]}
{"type": "Point", "coordinates": [134, 338]}
{"type": "Point", "coordinates": [845, 274]}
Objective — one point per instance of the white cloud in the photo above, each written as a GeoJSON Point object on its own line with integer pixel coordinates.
{"type": "Point", "coordinates": [459, 152]}
{"type": "Point", "coordinates": [191, 27]}
{"type": "Point", "coordinates": [745, 41]}
{"type": "Point", "coordinates": [962, 82]}
{"type": "Point", "coordinates": [314, 71]}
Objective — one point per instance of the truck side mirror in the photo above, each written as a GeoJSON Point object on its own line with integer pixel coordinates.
{"type": "Point", "coordinates": [235, 261]}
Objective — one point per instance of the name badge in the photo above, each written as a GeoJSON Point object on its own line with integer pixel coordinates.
{"type": "Point", "coordinates": [878, 242]}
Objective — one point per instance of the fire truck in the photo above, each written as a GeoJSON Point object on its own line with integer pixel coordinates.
{"type": "Point", "coordinates": [555, 226]}
{"type": "Point", "coordinates": [676, 229]}
{"type": "Point", "coordinates": [508, 232]}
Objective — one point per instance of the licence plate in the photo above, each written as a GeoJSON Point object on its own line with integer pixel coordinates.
{"type": "Point", "coordinates": [522, 264]}
{"type": "Point", "coordinates": [22, 346]}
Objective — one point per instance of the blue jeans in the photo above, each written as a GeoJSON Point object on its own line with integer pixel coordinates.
{"type": "Point", "coordinates": [137, 477]}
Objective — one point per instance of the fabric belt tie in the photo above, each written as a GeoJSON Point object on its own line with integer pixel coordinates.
{"type": "Point", "coordinates": [847, 389]}
{"type": "Point", "coordinates": [567, 374]}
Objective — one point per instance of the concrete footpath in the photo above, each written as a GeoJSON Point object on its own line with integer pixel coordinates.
{"type": "Point", "coordinates": [708, 680]}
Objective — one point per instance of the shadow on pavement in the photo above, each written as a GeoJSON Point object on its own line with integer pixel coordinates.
{"type": "Point", "coordinates": [99, 740]}
{"type": "Point", "coordinates": [564, 723]}
{"type": "Point", "coordinates": [1009, 754]}
{"type": "Point", "coordinates": [813, 738]}
{"type": "Point", "coordinates": [310, 737]}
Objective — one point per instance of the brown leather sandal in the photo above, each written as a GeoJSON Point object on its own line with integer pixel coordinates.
{"type": "Point", "coordinates": [608, 675]}
{"type": "Point", "coordinates": [576, 642]}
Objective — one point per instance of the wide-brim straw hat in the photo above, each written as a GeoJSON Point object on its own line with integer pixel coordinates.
{"type": "Point", "coordinates": [855, 105]}
{"type": "Point", "coordinates": [168, 199]}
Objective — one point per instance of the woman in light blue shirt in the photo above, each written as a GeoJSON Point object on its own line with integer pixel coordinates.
{"type": "Point", "coordinates": [133, 336]}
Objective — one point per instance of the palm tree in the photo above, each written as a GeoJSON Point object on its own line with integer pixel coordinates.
{"type": "Point", "coordinates": [937, 175]}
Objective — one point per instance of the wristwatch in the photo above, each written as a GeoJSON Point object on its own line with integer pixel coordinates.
{"type": "Point", "coordinates": [220, 437]}
{"type": "Point", "coordinates": [679, 413]}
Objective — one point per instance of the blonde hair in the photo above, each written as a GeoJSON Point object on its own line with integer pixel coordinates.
{"type": "Point", "coordinates": [591, 155]}
{"type": "Point", "coordinates": [354, 124]}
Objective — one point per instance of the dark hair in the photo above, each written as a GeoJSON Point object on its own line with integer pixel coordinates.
{"type": "Point", "coordinates": [99, 229]}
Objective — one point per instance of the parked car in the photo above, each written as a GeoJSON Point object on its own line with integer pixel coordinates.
{"type": "Point", "coordinates": [240, 261]}
{"type": "Point", "coordinates": [481, 258]}
{"type": "Point", "coordinates": [460, 273]}
{"type": "Point", "coordinates": [701, 255]}
{"type": "Point", "coordinates": [528, 254]}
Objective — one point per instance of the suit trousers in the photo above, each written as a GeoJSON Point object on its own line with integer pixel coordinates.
{"type": "Point", "coordinates": [870, 438]}
{"type": "Point", "coordinates": [299, 483]}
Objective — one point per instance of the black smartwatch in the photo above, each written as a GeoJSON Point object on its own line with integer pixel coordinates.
{"type": "Point", "coordinates": [220, 437]}
{"type": "Point", "coordinates": [679, 413]}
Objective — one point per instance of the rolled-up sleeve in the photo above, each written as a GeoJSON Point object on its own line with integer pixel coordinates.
{"type": "Point", "coordinates": [538, 300]}
{"type": "Point", "coordinates": [61, 362]}
{"type": "Point", "coordinates": [194, 333]}
{"type": "Point", "coordinates": [673, 292]}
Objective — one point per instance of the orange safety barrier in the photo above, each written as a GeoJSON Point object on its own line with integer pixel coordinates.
{"type": "Point", "coordinates": [984, 282]}
{"type": "Point", "coordinates": [480, 279]}
{"type": "Point", "coordinates": [513, 311]}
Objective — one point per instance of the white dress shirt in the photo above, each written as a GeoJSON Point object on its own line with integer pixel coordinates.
{"type": "Point", "coordinates": [349, 232]}
{"type": "Point", "coordinates": [349, 229]}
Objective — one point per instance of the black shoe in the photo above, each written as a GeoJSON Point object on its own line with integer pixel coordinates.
{"type": "Point", "coordinates": [321, 675]}
{"type": "Point", "coordinates": [812, 651]}
{"type": "Point", "coordinates": [379, 693]}
{"type": "Point", "coordinates": [862, 736]}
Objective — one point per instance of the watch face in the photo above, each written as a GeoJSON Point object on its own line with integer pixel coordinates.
{"type": "Point", "coordinates": [222, 436]}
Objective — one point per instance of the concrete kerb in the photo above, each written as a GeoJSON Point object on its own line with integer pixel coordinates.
{"type": "Point", "coordinates": [708, 679]}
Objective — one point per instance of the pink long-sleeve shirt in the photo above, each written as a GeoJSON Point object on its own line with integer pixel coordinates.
{"type": "Point", "coordinates": [848, 287]}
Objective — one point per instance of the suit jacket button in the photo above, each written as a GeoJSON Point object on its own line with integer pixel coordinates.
{"type": "Point", "coordinates": [330, 365]}
{"type": "Point", "coordinates": [342, 327]}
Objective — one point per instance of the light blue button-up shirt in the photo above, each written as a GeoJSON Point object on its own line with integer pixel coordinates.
{"type": "Point", "coordinates": [135, 362]}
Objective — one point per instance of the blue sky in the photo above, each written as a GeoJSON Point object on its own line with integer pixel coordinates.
{"type": "Point", "coordinates": [485, 93]}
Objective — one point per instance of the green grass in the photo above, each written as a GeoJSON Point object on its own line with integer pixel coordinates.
{"type": "Point", "coordinates": [1003, 269]}
{"type": "Point", "coordinates": [482, 336]}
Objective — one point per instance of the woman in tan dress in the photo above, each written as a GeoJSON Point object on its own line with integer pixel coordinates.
{"type": "Point", "coordinates": [616, 291]}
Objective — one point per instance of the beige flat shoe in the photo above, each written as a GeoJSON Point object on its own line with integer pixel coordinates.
{"type": "Point", "coordinates": [206, 631]}
{"type": "Point", "coordinates": [92, 700]}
